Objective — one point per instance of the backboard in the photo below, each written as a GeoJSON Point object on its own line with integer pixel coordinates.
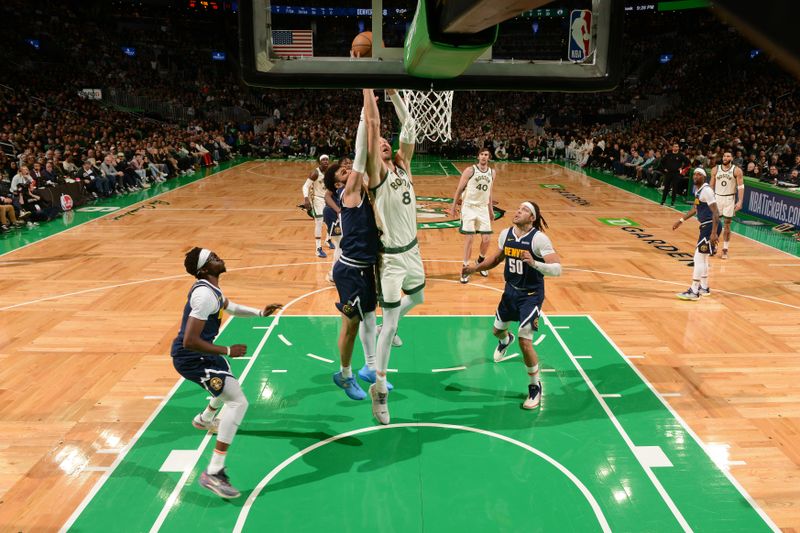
{"type": "Point", "coordinates": [287, 44]}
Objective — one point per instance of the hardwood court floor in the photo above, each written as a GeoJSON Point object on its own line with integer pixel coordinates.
{"type": "Point", "coordinates": [82, 372]}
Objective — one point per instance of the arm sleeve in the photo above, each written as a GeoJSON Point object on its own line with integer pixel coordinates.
{"type": "Point", "coordinates": [362, 146]}
{"type": "Point", "coordinates": [399, 107]}
{"type": "Point", "coordinates": [408, 133]}
{"type": "Point", "coordinates": [241, 310]}
{"type": "Point", "coordinates": [306, 187]}
{"type": "Point", "coordinates": [501, 241]}
{"type": "Point", "coordinates": [541, 245]}
{"type": "Point", "coordinates": [203, 303]}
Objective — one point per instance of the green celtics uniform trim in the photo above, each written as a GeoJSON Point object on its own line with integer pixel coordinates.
{"type": "Point", "coordinates": [401, 249]}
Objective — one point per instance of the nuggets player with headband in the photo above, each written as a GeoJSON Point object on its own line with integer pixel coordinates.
{"type": "Point", "coordinates": [314, 200]}
{"type": "Point", "coordinates": [400, 264]}
{"type": "Point", "coordinates": [529, 257]}
{"type": "Point", "coordinates": [476, 207]}
{"type": "Point", "coordinates": [198, 359]}
{"type": "Point", "coordinates": [705, 205]}
{"type": "Point", "coordinates": [726, 181]}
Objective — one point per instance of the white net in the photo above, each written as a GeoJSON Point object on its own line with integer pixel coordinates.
{"type": "Point", "coordinates": [432, 110]}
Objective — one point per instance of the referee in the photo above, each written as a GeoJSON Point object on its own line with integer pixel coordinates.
{"type": "Point", "coordinates": [671, 164]}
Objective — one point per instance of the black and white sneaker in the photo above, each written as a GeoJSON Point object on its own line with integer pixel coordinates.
{"type": "Point", "coordinates": [534, 396]}
{"type": "Point", "coordinates": [500, 351]}
{"type": "Point", "coordinates": [219, 484]}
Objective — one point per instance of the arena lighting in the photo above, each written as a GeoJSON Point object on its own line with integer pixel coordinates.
{"type": "Point", "coordinates": [217, 55]}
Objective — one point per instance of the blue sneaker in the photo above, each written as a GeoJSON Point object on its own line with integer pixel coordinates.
{"type": "Point", "coordinates": [500, 351]}
{"type": "Point", "coordinates": [350, 386]}
{"type": "Point", "coordinates": [331, 245]}
{"type": "Point", "coordinates": [369, 376]}
{"type": "Point", "coordinates": [688, 294]}
{"type": "Point", "coordinates": [321, 253]}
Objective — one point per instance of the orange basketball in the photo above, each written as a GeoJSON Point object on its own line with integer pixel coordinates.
{"type": "Point", "coordinates": [362, 44]}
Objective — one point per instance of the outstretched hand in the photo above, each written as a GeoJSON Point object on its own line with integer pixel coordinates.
{"type": "Point", "coordinates": [271, 308]}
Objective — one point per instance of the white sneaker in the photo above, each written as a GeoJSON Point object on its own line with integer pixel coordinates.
{"type": "Point", "coordinates": [329, 277]}
{"type": "Point", "coordinates": [380, 405]}
{"type": "Point", "coordinates": [395, 342]}
{"type": "Point", "coordinates": [484, 273]}
{"type": "Point", "coordinates": [212, 426]}
{"type": "Point", "coordinates": [534, 396]}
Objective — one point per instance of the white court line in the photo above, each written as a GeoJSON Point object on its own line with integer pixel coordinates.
{"type": "Point", "coordinates": [560, 327]}
{"type": "Point", "coordinates": [244, 358]}
{"type": "Point", "coordinates": [677, 210]}
{"type": "Point", "coordinates": [391, 370]}
{"type": "Point", "coordinates": [782, 265]}
{"type": "Point", "coordinates": [670, 394]}
{"type": "Point", "coordinates": [538, 341]}
{"type": "Point", "coordinates": [678, 283]}
{"type": "Point", "coordinates": [547, 370]}
{"type": "Point", "coordinates": [633, 356]}
{"type": "Point", "coordinates": [173, 497]}
{"type": "Point", "coordinates": [451, 369]}
{"type": "Point", "coordinates": [506, 358]}
{"type": "Point", "coordinates": [243, 513]}
{"type": "Point", "coordinates": [611, 395]}
{"type": "Point", "coordinates": [320, 358]}
{"type": "Point", "coordinates": [121, 209]}
{"type": "Point", "coordinates": [154, 397]}
{"type": "Point", "coordinates": [96, 469]}
{"type": "Point", "coordinates": [111, 451]}
{"type": "Point", "coordinates": [581, 356]}
{"type": "Point", "coordinates": [278, 371]}
{"type": "Point", "coordinates": [260, 327]}
{"type": "Point", "coordinates": [688, 429]}
{"type": "Point", "coordinates": [283, 340]}
{"type": "Point", "coordinates": [610, 414]}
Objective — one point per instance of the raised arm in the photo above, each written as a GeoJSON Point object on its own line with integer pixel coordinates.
{"type": "Point", "coordinates": [408, 129]}
{"type": "Point", "coordinates": [355, 181]}
{"type": "Point", "coordinates": [375, 167]}
{"type": "Point", "coordinates": [462, 184]}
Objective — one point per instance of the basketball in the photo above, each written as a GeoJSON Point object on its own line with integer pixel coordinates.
{"type": "Point", "coordinates": [362, 44]}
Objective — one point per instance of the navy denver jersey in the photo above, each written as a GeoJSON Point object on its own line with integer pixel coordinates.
{"type": "Point", "coordinates": [518, 273]}
{"type": "Point", "coordinates": [704, 213]}
{"type": "Point", "coordinates": [211, 328]}
{"type": "Point", "coordinates": [360, 239]}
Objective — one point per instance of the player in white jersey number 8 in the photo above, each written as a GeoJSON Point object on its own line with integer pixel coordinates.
{"type": "Point", "coordinates": [399, 264]}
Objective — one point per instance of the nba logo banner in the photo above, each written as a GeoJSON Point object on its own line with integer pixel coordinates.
{"type": "Point", "coordinates": [580, 34]}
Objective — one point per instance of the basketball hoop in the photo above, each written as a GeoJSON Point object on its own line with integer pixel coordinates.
{"type": "Point", "coordinates": [432, 111]}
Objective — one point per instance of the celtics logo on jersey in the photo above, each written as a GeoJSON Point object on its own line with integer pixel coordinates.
{"type": "Point", "coordinates": [433, 212]}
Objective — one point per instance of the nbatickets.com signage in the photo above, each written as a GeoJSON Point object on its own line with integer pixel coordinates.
{"type": "Point", "coordinates": [430, 209]}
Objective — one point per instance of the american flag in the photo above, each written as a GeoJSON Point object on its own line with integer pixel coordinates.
{"type": "Point", "coordinates": [293, 43]}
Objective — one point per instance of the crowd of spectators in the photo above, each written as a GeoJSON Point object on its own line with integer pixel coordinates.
{"type": "Point", "coordinates": [721, 98]}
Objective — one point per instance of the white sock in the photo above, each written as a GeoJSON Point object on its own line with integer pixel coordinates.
{"type": "Point", "coordinates": [318, 241]}
{"type": "Point", "coordinates": [380, 383]}
{"type": "Point", "coordinates": [217, 462]}
{"type": "Point", "coordinates": [704, 282]}
{"type": "Point", "coordinates": [725, 245]}
{"type": "Point", "coordinates": [347, 371]}
{"type": "Point", "coordinates": [695, 285]}
{"type": "Point", "coordinates": [368, 333]}
{"type": "Point", "coordinates": [505, 340]}
{"type": "Point", "coordinates": [533, 374]}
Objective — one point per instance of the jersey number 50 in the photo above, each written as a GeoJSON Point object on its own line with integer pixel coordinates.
{"type": "Point", "coordinates": [515, 266]}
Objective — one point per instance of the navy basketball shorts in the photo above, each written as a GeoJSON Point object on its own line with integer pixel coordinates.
{"type": "Point", "coordinates": [331, 220]}
{"type": "Point", "coordinates": [356, 287]}
{"type": "Point", "coordinates": [704, 239]}
{"type": "Point", "coordinates": [519, 306]}
{"type": "Point", "coordinates": [208, 371]}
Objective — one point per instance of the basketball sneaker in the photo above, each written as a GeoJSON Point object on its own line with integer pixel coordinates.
{"type": "Point", "coordinates": [330, 244]}
{"type": "Point", "coordinates": [534, 396]}
{"type": "Point", "coordinates": [321, 253]}
{"type": "Point", "coordinates": [380, 407]}
{"type": "Point", "coordinates": [350, 386]}
{"type": "Point", "coordinates": [201, 424]}
{"type": "Point", "coordinates": [724, 254]}
{"type": "Point", "coordinates": [484, 273]}
{"type": "Point", "coordinates": [218, 484]}
{"type": "Point", "coordinates": [704, 292]}
{"type": "Point", "coordinates": [395, 342]}
{"type": "Point", "coordinates": [369, 376]}
{"type": "Point", "coordinates": [464, 279]}
{"type": "Point", "coordinates": [500, 351]}
{"type": "Point", "coordinates": [688, 294]}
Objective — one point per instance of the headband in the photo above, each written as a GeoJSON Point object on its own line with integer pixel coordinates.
{"type": "Point", "coordinates": [531, 209]}
{"type": "Point", "coordinates": [203, 258]}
